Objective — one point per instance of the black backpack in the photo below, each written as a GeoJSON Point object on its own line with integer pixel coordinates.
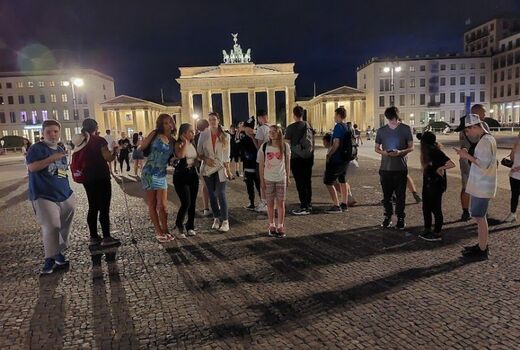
{"type": "Point", "coordinates": [349, 145]}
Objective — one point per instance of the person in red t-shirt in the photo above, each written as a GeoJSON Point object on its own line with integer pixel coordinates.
{"type": "Point", "coordinates": [97, 185]}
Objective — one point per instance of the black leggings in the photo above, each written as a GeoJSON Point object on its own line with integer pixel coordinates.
{"type": "Point", "coordinates": [187, 186]}
{"type": "Point", "coordinates": [432, 205]}
{"type": "Point", "coordinates": [252, 180]}
{"type": "Point", "coordinates": [515, 193]}
{"type": "Point", "coordinates": [124, 157]}
{"type": "Point", "coordinates": [99, 193]}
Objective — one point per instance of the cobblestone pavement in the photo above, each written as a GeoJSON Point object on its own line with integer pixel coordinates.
{"type": "Point", "coordinates": [335, 281]}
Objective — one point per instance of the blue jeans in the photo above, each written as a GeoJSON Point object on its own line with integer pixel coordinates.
{"type": "Point", "coordinates": [217, 196]}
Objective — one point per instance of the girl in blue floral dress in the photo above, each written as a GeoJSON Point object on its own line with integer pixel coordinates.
{"type": "Point", "coordinates": [159, 143]}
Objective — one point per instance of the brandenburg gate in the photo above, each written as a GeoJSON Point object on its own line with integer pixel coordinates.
{"type": "Point", "coordinates": [237, 74]}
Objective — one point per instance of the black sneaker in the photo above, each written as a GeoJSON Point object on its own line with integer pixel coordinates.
{"type": "Point", "coordinates": [344, 206]}
{"type": "Point", "coordinates": [431, 236]}
{"type": "Point", "coordinates": [48, 267]}
{"type": "Point", "coordinates": [301, 211]}
{"type": "Point", "coordinates": [475, 253]}
{"type": "Point", "coordinates": [470, 247]}
{"type": "Point", "coordinates": [250, 207]}
{"type": "Point", "coordinates": [60, 260]}
{"type": "Point", "coordinates": [94, 241]}
{"type": "Point", "coordinates": [417, 198]}
{"type": "Point", "coordinates": [335, 209]}
{"type": "Point", "coordinates": [387, 222]}
{"type": "Point", "coordinates": [110, 242]}
{"type": "Point", "coordinates": [465, 216]}
{"type": "Point", "coordinates": [400, 224]}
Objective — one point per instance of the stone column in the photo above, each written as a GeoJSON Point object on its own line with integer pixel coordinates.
{"type": "Point", "coordinates": [227, 116]}
{"type": "Point", "coordinates": [206, 103]}
{"type": "Point", "coordinates": [290, 101]}
{"type": "Point", "coordinates": [271, 105]}
{"type": "Point", "coordinates": [118, 123]}
{"type": "Point", "coordinates": [186, 105]}
{"type": "Point", "coordinates": [251, 102]}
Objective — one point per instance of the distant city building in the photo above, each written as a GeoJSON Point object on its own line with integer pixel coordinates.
{"type": "Point", "coordinates": [27, 98]}
{"type": "Point", "coordinates": [485, 38]}
{"type": "Point", "coordinates": [506, 81]}
{"type": "Point", "coordinates": [424, 88]}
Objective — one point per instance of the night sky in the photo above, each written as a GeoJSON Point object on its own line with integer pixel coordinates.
{"type": "Point", "coordinates": [141, 43]}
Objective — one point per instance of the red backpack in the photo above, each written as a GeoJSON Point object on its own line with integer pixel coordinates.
{"type": "Point", "coordinates": [78, 166]}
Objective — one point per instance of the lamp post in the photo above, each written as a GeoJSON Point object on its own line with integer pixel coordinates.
{"type": "Point", "coordinates": [75, 82]}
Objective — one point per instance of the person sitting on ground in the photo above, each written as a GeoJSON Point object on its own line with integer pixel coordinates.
{"type": "Point", "coordinates": [482, 181]}
{"type": "Point", "coordinates": [50, 194]}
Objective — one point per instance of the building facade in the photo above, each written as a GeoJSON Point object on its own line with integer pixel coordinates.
{"type": "Point", "coordinates": [506, 81]}
{"type": "Point", "coordinates": [27, 98]}
{"type": "Point", "coordinates": [424, 88]}
{"type": "Point", "coordinates": [485, 38]}
{"type": "Point", "coordinates": [320, 109]}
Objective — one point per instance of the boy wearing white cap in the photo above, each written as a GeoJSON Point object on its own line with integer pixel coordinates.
{"type": "Point", "coordinates": [482, 181]}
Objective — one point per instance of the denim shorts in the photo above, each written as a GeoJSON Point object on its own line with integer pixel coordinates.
{"type": "Point", "coordinates": [478, 207]}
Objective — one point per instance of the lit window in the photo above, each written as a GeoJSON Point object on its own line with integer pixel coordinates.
{"type": "Point", "coordinates": [23, 116]}
{"type": "Point", "coordinates": [64, 98]}
{"type": "Point", "coordinates": [26, 134]}
{"type": "Point", "coordinates": [41, 84]}
{"type": "Point", "coordinates": [55, 114]}
{"type": "Point", "coordinates": [44, 115]}
{"type": "Point", "coordinates": [128, 117]}
{"type": "Point", "coordinates": [34, 117]}
{"type": "Point", "coordinates": [412, 68]}
{"type": "Point", "coordinates": [67, 134]}
{"type": "Point", "coordinates": [53, 97]}
{"type": "Point", "coordinates": [412, 100]}
{"type": "Point", "coordinates": [20, 84]}
{"type": "Point", "coordinates": [51, 83]}
{"type": "Point", "coordinates": [30, 84]}
{"type": "Point", "coordinates": [64, 83]}
{"type": "Point", "coordinates": [66, 114]}
{"type": "Point", "coordinates": [5, 133]}
{"type": "Point", "coordinates": [15, 132]}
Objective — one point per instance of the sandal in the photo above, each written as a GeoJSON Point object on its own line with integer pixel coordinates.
{"type": "Point", "coordinates": [164, 238]}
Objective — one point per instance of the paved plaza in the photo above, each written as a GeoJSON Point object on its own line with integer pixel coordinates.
{"type": "Point", "coordinates": [335, 281]}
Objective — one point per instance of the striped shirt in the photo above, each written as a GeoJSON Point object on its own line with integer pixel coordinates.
{"type": "Point", "coordinates": [482, 182]}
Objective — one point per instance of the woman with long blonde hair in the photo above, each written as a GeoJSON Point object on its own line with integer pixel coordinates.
{"type": "Point", "coordinates": [158, 146]}
{"type": "Point", "coordinates": [214, 150]}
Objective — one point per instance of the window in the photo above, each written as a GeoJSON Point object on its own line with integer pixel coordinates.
{"type": "Point", "coordinates": [104, 87]}
{"type": "Point", "coordinates": [412, 100]}
{"type": "Point", "coordinates": [86, 113]}
{"type": "Point", "coordinates": [453, 81]}
{"type": "Point", "coordinates": [8, 85]}
{"type": "Point", "coordinates": [422, 68]}
{"type": "Point", "coordinates": [401, 84]}
{"type": "Point", "coordinates": [55, 114]}
{"type": "Point", "coordinates": [31, 99]}
{"type": "Point", "coordinates": [422, 99]}
{"type": "Point", "coordinates": [34, 117]}
{"type": "Point", "coordinates": [462, 80]}
{"type": "Point", "coordinates": [443, 67]}
{"type": "Point", "coordinates": [443, 81]}
{"type": "Point", "coordinates": [20, 84]}
{"type": "Point", "coordinates": [85, 99]}
{"type": "Point", "coordinates": [1, 100]}
{"type": "Point", "coordinates": [453, 66]}
{"type": "Point", "coordinates": [2, 118]}
{"type": "Point", "coordinates": [44, 115]}
{"type": "Point", "coordinates": [5, 132]}
{"type": "Point", "coordinates": [482, 79]}
{"type": "Point", "coordinates": [502, 91]}
{"type": "Point", "coordinates": [105, 96]}
{"type": "Point", "coordinates": [443, 98]}
{"type": "Point", "coordinates": [482, 65]}
{"type": "Point", "coordinates": [422, 82]}
{"type": "Point", "coordinates": [21, 100]}
{"type": "Point", "coordinates": [392, 103]}
{"type": "Point", "coordinates": [472, 80]}
{"type": "Point", "coordinates": [452, 97]}
{"type": "Point", "coordinates": [23, 116]}
{"type": "Point", "coordinates": [508, 89]}
{"type": "Point", "coordinates": [15, 132]}
{"type": "Point", "coordinates": [517, 72]}
{"type": "Point", "coordinates": [381, 85]}
{"type": "Point", "coordinates": [42, 98]}
{"type": "Point", "coordinates": [64, 98]}
{"type": "Point", "coordinates": [53, 97]}
{"type": "Point", "coordinates": [52, 83]}
{"type": "Point", "coordinates": [462, 66]}
{"type": "Point", "coordinates": [472, 66]}
{"type": "Point", "coordinates": [64, 83]}
{"type": "Point", "coordinates": [412, 68]}
{"type": "Point", "coordinates": [462, 98]}
{"type": "Point", "coordinates": [482, 96]}
{"type": "Point", "coordinates": [75, 114]}
{"type": "Point", "coordinates": [30, 84]}
{"type": "Point", "coordinates": [66, 114]}
{"type": "Point", "coordinates": [41, 84]}
{"type": "Point", "coordinates": [401, 100]}
{"type": "Point", "coordinates": [517, 89]}
{"type": "Point", "coordinates": [10, 100]}
{"type": "Point", "coordinates": [502, 76]}
{"type": "Point", "coordinates": [472, 96]}
{"type": "Point", "coordinates": [495, 92]}
{"type": "Point", "coordinates": [412, 83]}
{"type": "Point", "coordinates": [67, 134]}
{"type": "Point", "coordinates": [381, 102]}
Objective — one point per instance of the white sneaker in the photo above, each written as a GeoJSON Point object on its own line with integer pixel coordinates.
{"type": "Point", "coordinates": [510, 218]}
{"type": "Point", "coordinates": [225, 226]}
{"type": "Point", "coordinates": [206, 212]}
{"type": "Point", "coordinates": [191, 233]}
{"type": "Point", "coordinates": [216, 224]}
{"type": "Point", "coordinates": [181, 235]}
{"type": "Point", "coordinates": [261, 208]}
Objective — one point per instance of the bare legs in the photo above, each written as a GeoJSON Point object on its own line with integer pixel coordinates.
{"type": "Point", "coordinates": [483, 232]}
{"type": "Point", "coordinates": [280, 206]}
{"type": "Point", "coordinates": [157, 206]}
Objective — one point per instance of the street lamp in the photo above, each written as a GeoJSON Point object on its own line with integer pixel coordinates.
{"type": "Point", "coordinates": [391, 69]}
{"type": "Point", "coordinates": [195, 116]}
{"type": "Point", "coordinates": [75, 82]}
